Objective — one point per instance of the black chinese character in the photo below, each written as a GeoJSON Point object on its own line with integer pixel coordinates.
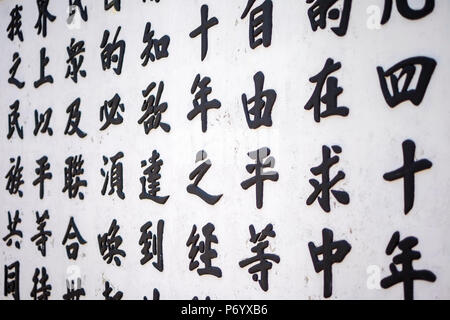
{"type": "Point", "coordinates": [43, 174]}
{"type": "Point", "coordinates": [260, 23]}
{"type": "Point", "coordinates": [264, 259]}
{"type": "Point", "coordinates": [153, 109]}
{"type": "Point", "coordinates": [160, 46]}
{"type": "Point", "coordinates": [407, 275]}
{"type": "Point", "coordinates": [155, 295]}
{"type": "Point", "coordinates": [405, 10]}
{"type": "Point", "coordinates": [114, 3]}
{"type": "Point", "coordinates": [12, 79]}
{"type": "Point", "coordinates": [74, 119]}
{"type": "Point", "coordinates": [15, 24]}
{"type": "Point", "coordinates": [402, 74]}
{"type": "Point", "coordinates": [72, 233]}
{"type": "Point", "coordinates": [74, 291]}
{"type": "Point", "coordinates": [14, 177]}
{"type": "Point", "coordinates": [13, 121]}
{"type": "Point", "coordinates": [41, 290]}
{"type": "Point", "coordinates": [331, 95]}
{"type": "Point", "coordinates": [113, 177]}
{"type": "Point", "coordinates": [109, 244]}
{"type": "Point", "coordinates": [332, 252]}
{"type": "Point", "coordinates": [203, 29]}
{"type": "Point", "coordinates": [43, 78]}
{"type": "Point", "coordinates": [110, 113]}
{"type": "Point", "coordinates": [42, 236]}
{"type": "Point", "coordinates": [72, 180]}
{"type": "Point", "coordinates": [260, 175]}
{"type": "Point", "coordinates": [407, 171]}
{"type": "Point", "coordinates": [77, 4]}
{"type": "Point", "coordinates": [204, 247]}
{"type": "Point", "coordinates": [107, 293]}
{"type": "Point", "coordinates": [152, 241]}
{"type": "Point", "coordinates": [198, 174]}
{"type": "Point", "coordinates": [12, 280]}
{"type": "Point", "coordinates": [320, 9]}
{"type": "Point", "coordinates": [263, 102]}
{"type": "Point", "coordinates": [13, 232]}
{"type": "Point", "coordinates": [201, 103]}
{"type": "Point", "coordinates": [42, 120]}
{"type": "Point", "coordinates": [326, 186]}
{"type": "Point", "coordinates": [152, 173]}
{"type": "Point", "coordinates": [108, 54]}
{"type": "Point", "coordinates": [41, 24]}
{"type": "Point", "coordinates": [75, 60]}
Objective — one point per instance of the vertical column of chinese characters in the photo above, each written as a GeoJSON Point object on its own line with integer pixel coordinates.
{"type": "Point", "coordinates": [397, 87]}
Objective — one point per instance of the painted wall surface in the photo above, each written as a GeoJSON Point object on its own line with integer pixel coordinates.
{"type": "Point", "coordinates": [370, 136]}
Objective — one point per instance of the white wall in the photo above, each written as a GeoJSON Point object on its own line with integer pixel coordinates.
{"type": "Point", "coordinates": [370, 137]}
